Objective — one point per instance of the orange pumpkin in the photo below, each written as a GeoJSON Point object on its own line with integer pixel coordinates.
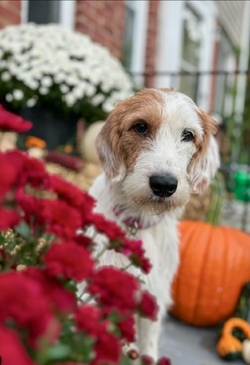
{"type": "Point", "coordinates": [214, 266]}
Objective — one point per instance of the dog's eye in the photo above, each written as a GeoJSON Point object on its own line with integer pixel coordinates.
{"type": "Point", "coordinates": [187, 136]}
{"type": "Point", "coordinates": [141, 129]}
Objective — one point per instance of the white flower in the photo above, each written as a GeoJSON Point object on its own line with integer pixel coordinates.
{"type": "Point", "coordinates": [32, 84]}
{"type": "Point", "coordinates": [78, 92]}
{"type": "Point", "coordinates": [71, 80]}
{"type": "Point", "coordinates": [59, 77]}
{"type": "Point", "coordinates": [107, 106]}
{"type": "Point", "coordinates": [9, 98]}
{"type": "Point", "coordinates": [70, 99]}
{"type": "Point", "coordinates": [47, 81]}
{"type": "Point", "coordinates": [31, 102]}
{"type": "Point", "coordinates": [64, 88]}
{"type": "Point", "coordinates": [6, 76]}
{"type": "Point", "coordinates": [18, 94]}
{"type": "Point", "coordinates": [90, 90]}
{"type": "Point", "coordinates": [97, 99]}
{"type": "Point", "coordinates": [106, 87]}
{"type": "Point", "coordinates": [40, 56]}
{"type": "Point", "coordinates": [43, 90]}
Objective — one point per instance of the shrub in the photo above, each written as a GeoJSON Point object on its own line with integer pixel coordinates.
{"type": "Point", "coordinates": [50, 65]}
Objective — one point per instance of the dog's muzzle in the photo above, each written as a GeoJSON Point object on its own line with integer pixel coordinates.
{"type": "Point", "coordinates": [163, 185]}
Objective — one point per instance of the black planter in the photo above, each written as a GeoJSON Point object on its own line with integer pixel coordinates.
{"type": "Point", "coordinates": [53, 127]}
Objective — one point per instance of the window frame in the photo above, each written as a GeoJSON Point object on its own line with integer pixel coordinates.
{"type": "Point", "coordinates": [169, 50]}
{"type": "Point", "coordinates": [138, 54]}
{"type": "Point", "coordinates": [66, 13]}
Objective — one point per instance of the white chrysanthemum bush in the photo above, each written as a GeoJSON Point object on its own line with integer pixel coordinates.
{"type": "Point", "coordinates": [47, 64]}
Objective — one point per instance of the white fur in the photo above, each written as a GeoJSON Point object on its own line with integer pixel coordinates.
{"type": "Point", "coordinates": [165, 153]}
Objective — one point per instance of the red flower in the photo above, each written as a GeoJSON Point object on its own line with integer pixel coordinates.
{"type": "Point", "coordinates": [70, 363]}
{"type": "Point", "coordinates": [66, 191]}
{"type": "Point", "coordinates": [148, 306]}
{"type": "Point", "coordinates": [12, 122]}
{"type": "Point", "coordinates": [11, 349]}
{"type": "Point", "coordinates": [107, 346]}
{"type": "Point", "coordinates": [34, 173]}
{"type": "Point", "coordinates": [163, 361]}
{"type": "Point", "coordinates": [83, 240]}
{"type": "Point", "coordinates": [31, 206]}
{"type": "Point", "coordinates": [62, 219]}
{"type": "Point", "coordinates": [60, 299]}
{"type": "Point", "coordinates": [69, 260]}
{"type": "Point", "coordinates": [20, 169]}
{"type": "Point", "coordinates": [110, 228]}
{"type": "Point", "coordinates": [107, 349]}
{"type": "Point", "coordinates": [118, 241]}
{"type": "Point", "coordinates": [136, 254]}
{"type": "Point", "coordinates": [11, 165]}
{"type": "Point", "coordinates": [147, 360]}
{"type": "Point", "coordinates": [88, 319]}
{"type": "Point", "coordinates": [24, 303]}
{"type": "Point", "coordinates": [114, 289]}
{"type": "Point", "coordinates": [8, 219]}
{"type": "Point", "coordinates": [127, 328]}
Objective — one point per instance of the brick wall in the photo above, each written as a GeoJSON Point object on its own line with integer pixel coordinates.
{"type": "Point", "coordinates": [151, 49]}
{"type": "Point", "coordinates": [103, 21]}
{"type": "Point", "coordinates": [10, 12]}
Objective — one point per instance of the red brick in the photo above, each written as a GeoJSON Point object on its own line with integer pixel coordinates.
{"type": "Point", "coordinates": [10, 12]}
{"type": "Point", "coordinates": [98, 19]}
{"type": "Point", "coordinates": [151, 48]}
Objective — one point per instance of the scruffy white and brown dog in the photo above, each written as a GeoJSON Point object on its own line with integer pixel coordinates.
{"type": "Point", "coordinates": [156, 148]}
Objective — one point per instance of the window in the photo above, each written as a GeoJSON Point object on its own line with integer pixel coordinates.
{"type": "Point", "coordinates": [225, 83]}
{"type": "Point", "coordinates": [43, 11]}
{"type": "Point", "coordinates": [135, 37]}
{"type": "Point", "coordinates": [190, 57]}
{"type": "Point", "coordinates": [49, 11]}
{"type": "Point", "coordinates": [128, 41]}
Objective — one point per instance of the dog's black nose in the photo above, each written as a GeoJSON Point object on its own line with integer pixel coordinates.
{"type": "Point", "coordinates": [163, 185]}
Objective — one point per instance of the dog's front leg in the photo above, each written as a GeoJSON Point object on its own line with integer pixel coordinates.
{"type": "Point", "coordinates": [149, 332]}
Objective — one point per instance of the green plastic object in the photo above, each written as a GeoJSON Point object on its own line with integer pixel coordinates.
{"type": "Point", "coordinates": [242, 186]}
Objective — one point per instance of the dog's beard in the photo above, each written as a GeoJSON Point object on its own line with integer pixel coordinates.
{"type": "Point", "coordinates": [142, 197]}
{"type": "Point", "coordinates": [154, 205]}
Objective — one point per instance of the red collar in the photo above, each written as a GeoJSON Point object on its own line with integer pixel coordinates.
{"type": "Point", "coordinates": [133, 224]}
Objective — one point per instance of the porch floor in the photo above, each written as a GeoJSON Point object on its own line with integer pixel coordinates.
{"type": "Point", "coordinates": [186, 345]}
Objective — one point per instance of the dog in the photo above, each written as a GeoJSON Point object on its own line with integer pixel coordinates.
{"type": "Point", "coordinates": [155, 148]}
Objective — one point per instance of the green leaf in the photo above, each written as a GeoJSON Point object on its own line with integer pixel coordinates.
{"type": "Point", "coordinates": [125, 361]}
{"type": "Point", "coordinates": [57, 352]}
{"type": "Point", "coordinates": [23, 229]}
{"type": "Point", "coordinates": [114, 317]}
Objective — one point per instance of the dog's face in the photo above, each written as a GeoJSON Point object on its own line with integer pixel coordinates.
{"type": "Point", "coordinates": [159, 145]}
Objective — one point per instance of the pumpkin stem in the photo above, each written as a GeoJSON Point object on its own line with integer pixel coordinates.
{"type": "Point", "coordinates": [235, 322]}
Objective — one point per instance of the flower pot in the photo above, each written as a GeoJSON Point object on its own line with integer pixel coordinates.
{"type": "Point", "coordinates": [51, 126]}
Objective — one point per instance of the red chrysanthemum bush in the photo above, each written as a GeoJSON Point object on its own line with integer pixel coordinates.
{"type": "Point", "coordinates": [44, 254]}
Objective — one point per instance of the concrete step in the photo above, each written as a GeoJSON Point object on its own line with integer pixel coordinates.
{"type": "Point", "coordinates": [187, 345]}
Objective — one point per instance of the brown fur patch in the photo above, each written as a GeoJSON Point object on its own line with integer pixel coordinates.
{"type": "Point", "coordinates": [210, 127]}
{"type": "Point", "coordinates": [118, 134]}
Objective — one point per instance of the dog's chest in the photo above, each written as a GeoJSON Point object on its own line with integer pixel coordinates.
{"type": "Point", "coordinates": [161, 246]}
{"type": "Point", "coordinates": [160, 242]}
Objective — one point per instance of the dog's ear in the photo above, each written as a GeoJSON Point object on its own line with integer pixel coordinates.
{"type": "Point", "coordinates": [205, 162]}
{"type": "Point", "coordinates": [107, 145]}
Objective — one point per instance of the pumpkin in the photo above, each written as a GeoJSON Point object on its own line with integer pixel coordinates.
{"type": "Point", "coordinates": [87, 146]}
{"type": "Point", "coordinates": [229, 347]}
{"type": "Point", "coordinates": [214, 266]}
{"type": "Point", "coordinates": [32, 141]}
